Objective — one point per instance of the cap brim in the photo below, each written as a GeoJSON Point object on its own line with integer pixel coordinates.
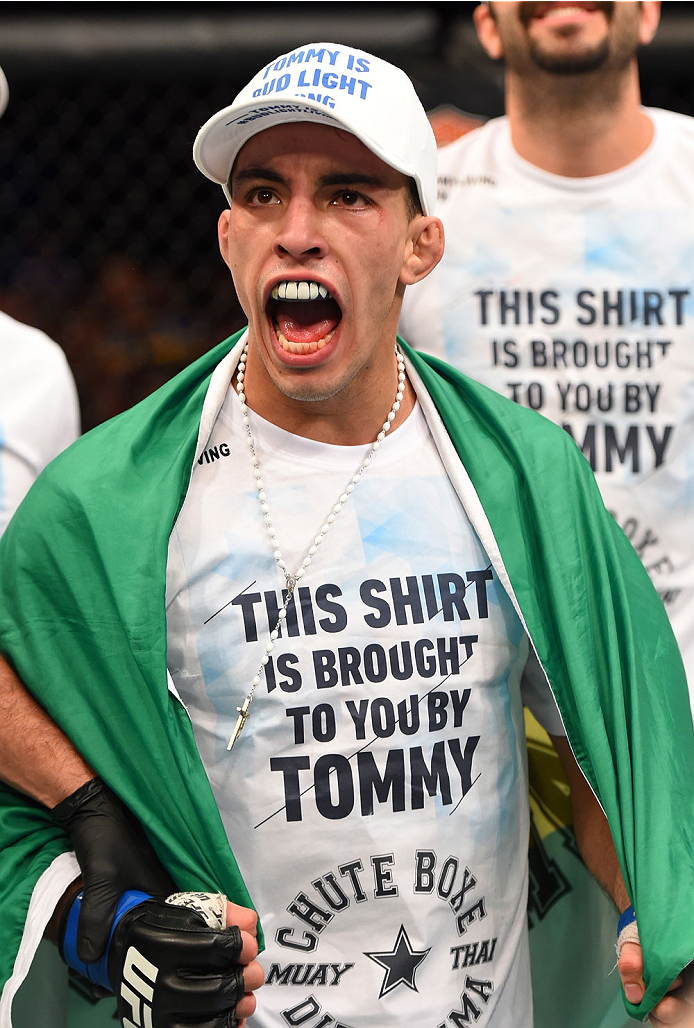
{"type": "Point", "coordinates": [220, 139]}
{"type": "Point", "coordinates": [4, 92]}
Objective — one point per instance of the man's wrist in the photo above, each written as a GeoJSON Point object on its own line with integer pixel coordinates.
{"type": "Point", "coordinates": [55, 929]}
{"type": "Point", "coordinates": [627, 929]}
{"type": "Point", "coordinates": [626, 917]}
{"type": "Point", "coordinates": [63, 811]}
{"type": "Point", "coordinates": [67, 787]}
{"type": "Point", "coordinates": [97, 972]}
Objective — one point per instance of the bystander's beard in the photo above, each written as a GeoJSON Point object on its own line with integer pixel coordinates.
{"type": "Point", "coordinates": [616, 49]}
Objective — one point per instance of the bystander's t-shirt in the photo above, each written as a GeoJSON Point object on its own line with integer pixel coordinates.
{"type": "Point", "coordinates": [576, 297]}
{"type": "Point", "coordinates": [39, 413]}
{"type": "Point", "coordinates": [376, 800]}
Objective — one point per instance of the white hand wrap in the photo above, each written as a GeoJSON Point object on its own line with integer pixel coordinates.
{"type": "Point", "coordinates": [210, 905]}
{"type": "Point", "coordinates": [630, 931]}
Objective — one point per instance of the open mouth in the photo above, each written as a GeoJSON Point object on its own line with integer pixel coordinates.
{"type": "Point", "coordinates": [562, 9]}
{"type": "Point", "coordinates": [304, 315]}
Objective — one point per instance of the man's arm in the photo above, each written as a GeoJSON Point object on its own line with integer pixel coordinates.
{"type": "Point", "coordinates": [598, 851]}
{"type": "Point", "coordinates": [36, 757]}
{"type": "Point", "coordinates": [592, 830]}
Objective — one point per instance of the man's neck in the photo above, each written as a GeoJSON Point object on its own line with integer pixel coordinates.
{"type": "Point", "coordinates": [328, 423]}
{"type": "Point", "coordinates": [354, 416]}
{"type": "Point", "coordinates": [578, 126]}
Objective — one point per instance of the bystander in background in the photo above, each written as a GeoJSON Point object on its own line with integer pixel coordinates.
{"type": "Point", "coordinates": [567, 285]}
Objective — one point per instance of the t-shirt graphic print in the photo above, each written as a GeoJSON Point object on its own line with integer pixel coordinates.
{"type": "Point", "coordinates": [376, 799]}
{"type": "Point", "coordinates": [575, 297]}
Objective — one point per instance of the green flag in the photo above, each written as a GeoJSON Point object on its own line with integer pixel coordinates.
{"type": "Point", "coordinates": [82, 618]}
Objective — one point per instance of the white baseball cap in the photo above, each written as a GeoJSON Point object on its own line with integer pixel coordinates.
{"type": "Point", "coordinates": [4, 92]}
{"type": "Point", "coordinates": [331, 84]}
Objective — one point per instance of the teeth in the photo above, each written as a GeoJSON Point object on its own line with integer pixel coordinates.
{"type": "Point", "coordinates": [303, 348]}
{"type": "Point", "coordinates": [304, 290]}
{"type": "Point", "coordinates": [567, 9]}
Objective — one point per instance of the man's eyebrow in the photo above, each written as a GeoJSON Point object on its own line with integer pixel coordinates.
{"type": "Point", "coordinates": [352, 178]}
{"type": "Point", "coordinates": [256, 172]}
{"type": "Point", "coordinates": [336, 178]}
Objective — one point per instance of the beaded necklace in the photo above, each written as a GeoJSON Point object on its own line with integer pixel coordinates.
{"type": "Point", "coordinates": [292, 579]}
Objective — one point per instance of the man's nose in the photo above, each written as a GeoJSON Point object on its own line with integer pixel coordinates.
{"type": "Point", "coordinates": [301, 231]}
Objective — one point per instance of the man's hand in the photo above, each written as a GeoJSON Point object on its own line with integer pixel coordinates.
{"type": "Point", "coordinates": [253, 975]}
{"type": "Point", "coordinates": [597, 849]}
{"type": "Point", "coordinates": [114, 856]}
{"type": "Point", "coordinates": [675, 1009]}
{"type": "Point", "coordinates": [169, 969]}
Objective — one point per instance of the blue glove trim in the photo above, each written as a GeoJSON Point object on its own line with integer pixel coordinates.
{"type": "Point", "coordinates": [627, 917]}
{"type": "Point", "coordinates": [96, 973]}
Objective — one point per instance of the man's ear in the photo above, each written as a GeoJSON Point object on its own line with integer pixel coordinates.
{"type": "Point", "coordinates": [487, 31]}
{"type": "Point", "coordinates": [424, 251]}
{"type": "Point", "coordinates": [650, 17]}
{"type": "Point", "coordinates": [223, 235]}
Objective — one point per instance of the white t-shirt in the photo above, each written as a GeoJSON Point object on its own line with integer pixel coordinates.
{"type": "Point", "coordinates": [376, 800]}
{"type": "Point", "coordinates": [576, 297]}
{"type": "Point", "coordinates": [39, 412]}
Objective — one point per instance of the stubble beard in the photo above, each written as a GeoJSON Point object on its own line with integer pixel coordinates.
{"type": "Point", "coordinates": [306, 392]}
{"type": "Point", "coordinates": [612, 53]}
{"type": "Point", "coordinates": [590, 59]}
{"type": "Point", "coordinates": [303, 387]}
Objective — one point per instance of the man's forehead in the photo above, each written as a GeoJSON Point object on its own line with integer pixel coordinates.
{"type": "Point", "coordinates": [323, 145]}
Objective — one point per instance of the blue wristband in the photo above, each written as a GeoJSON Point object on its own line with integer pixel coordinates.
{"type": "Point", "coordinates": [96, 973]}
{"type": "Point", "coordinates": [627, 917]}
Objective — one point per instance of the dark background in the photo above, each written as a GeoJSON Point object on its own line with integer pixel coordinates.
{"type": "Point", "coordinates": [108, 231]}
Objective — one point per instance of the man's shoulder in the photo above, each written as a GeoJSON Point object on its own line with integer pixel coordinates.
{"type": "Point", "coordinates": [463, 398]}
{"type": "Point", "coordinates": [470, 160]}
{"type": "Point", "coordinates": [679, 128]}
{"type": "Point", "coordinates": [39, 407]}
{"type": "Point", "coordinates": [10, 328]}
{"type": "Point", "coordinates": [156, 434]}
{"type": "Point", "coordinates": [28, 346]}
{"type": "Point", "coordinates": [474, 140]}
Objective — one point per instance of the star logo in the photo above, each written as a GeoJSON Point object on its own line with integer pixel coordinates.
{"type": "Point", "coordinates": [400, 964]}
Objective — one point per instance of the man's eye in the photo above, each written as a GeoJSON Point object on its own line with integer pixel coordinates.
{"type": "Point", "coordinates": [350, 198]}
{"type": "Point", "coordinates": [263, 197]}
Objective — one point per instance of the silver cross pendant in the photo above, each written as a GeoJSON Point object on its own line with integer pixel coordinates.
{"type": "Point", "coordinates": [240, 721]}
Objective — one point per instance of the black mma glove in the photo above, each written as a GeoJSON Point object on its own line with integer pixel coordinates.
{"type": "Point", "coordinates": [114, 856]}
{"type": "Point", "coordinates": [169, 970]}
{"type": "Point", "coordinates": [167, 967]}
